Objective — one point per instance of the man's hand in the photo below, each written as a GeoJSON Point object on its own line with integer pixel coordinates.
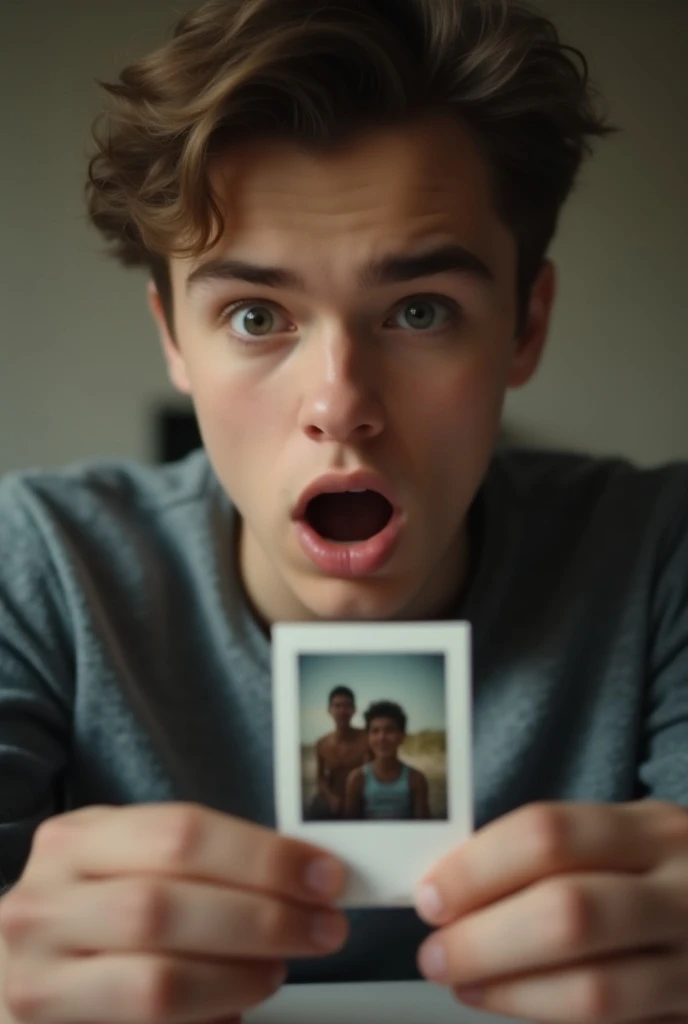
{"type": "Point", "coordinates": [166, 912]}
{"type": "Point", "coordinates": [566, 913]}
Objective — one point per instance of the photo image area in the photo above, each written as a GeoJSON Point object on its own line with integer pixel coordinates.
{"type": "Point", "coordinates": [373, 771]}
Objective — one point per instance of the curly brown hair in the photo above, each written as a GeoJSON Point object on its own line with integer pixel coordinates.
{"type": "Point", "coordinates": [317, 72]}
{"type": "Point", "coordinates": [386, 709]}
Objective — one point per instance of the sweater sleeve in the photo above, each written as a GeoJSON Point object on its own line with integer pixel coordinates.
{"type": "Point", "coordinates": [36, 678]}
{"type": "Point", "coordinates": [663, 771]}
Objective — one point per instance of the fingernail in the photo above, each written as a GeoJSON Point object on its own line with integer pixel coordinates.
{"type": "Point", "coordinates": [432, 960]}
{"type": "Point", "coordinates": [326, 931]}
{"type": "Point", "coordinates": [324, 876]}
{"type": "Point", "coordinates": [429, 903]}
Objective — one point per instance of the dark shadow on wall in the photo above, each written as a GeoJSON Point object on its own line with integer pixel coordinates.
{"type": "Point", "coordinates": [175, 432]}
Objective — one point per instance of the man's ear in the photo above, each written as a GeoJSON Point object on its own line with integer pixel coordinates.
{"type": "Point", "coordinates": [531, 341]}
{"type": "Point", "coordinates": [176, 366]}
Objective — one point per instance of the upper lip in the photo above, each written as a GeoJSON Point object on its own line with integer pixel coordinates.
{"type": "Point", "coordinates": [337, 483]}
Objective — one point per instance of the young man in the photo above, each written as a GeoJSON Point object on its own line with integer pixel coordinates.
{"type": "Point", "coordinates": [386, 787]}
{"type": "Point", "coordinates": [338, 754]}
{"type": "Point", "coordinates": [346, 210]}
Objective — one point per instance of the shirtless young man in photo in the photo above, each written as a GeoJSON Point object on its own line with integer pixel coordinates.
{"type": "Point", "coordinates": [338, 754]}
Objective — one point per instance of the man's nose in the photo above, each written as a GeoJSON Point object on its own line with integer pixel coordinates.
{"type": "Point", "coordinates": [341, 385]}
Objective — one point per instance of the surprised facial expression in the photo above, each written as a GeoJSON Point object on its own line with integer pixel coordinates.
{"type": "Point", "coordinates": [348, 344]}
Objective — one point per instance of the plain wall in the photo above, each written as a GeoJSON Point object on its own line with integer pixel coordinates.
{"type": "Point", "coordinates": [80, 369]}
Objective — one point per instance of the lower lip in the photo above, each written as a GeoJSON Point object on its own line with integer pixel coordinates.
{"type": "Point", "coordinates": [354, 559]}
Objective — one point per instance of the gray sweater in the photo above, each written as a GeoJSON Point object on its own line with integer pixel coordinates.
{"type": "Point", "coordinates": [132, 671]}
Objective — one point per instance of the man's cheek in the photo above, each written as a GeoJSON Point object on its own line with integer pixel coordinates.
{"type": "Point", "coordinates": [231, 416]}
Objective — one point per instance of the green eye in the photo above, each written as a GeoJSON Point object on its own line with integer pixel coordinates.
{"type": "Point", "coordinates": [422, 314]}
{"type": "Point", "coordinates": [254, 320]}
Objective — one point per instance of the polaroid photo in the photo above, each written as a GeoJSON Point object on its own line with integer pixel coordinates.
{"type": "Point", "coordinates": [372, 743]}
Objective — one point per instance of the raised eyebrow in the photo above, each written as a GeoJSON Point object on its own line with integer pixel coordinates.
{"type": "Point", "coordinates": [397, 268]}
{"type": "Point", "coordinates": [394, 268]}
{"type": "Point", "coordinates": [241, 270]}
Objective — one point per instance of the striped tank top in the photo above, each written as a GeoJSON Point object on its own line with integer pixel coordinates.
{"type": "Point", "coordinates": [391, 800]}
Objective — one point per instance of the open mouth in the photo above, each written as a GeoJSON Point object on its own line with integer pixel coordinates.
{"type": "Point", "coordinates": [349, 527]}
{"type": "Point", "coordinates": [348, 516]}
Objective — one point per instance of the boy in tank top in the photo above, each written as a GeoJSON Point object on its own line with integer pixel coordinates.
{"type": "Point", "coordinates": [386, 787]}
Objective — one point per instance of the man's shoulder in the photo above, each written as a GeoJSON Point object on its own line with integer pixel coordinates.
{"type": "Point", "coordinates": [107, 519]}
{"type": "Point", "coordinates": [562, 531]}
{"type": "Point", "coordinates": [106, 498]}
{"type": "Point", "coordinates": [116, 483]}
{"type": "Point", "coordinates": [562, 491]}
{"type": "Point", "coordinates": [570, 472]}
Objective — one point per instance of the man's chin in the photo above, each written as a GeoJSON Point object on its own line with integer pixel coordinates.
{"type": "Point", "coordinates": [370, 600]}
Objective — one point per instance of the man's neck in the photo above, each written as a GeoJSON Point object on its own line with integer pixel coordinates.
{"type": "Point", "coordinates": [344, 732]}
{"type": "Point", "coordinates": [387, 765]}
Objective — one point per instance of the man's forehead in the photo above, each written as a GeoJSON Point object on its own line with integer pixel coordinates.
{"type": "Point", "coordinates": [402, 192]}
{"type": "Point", "coordinates": [428, 149]}
{"type": "Point", "coordinates": [409, 179]}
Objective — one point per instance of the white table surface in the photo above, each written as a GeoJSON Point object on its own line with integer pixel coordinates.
{"type": "Point", "coordinates": [398, 1002]}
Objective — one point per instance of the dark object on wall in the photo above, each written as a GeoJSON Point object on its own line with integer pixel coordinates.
{"type": "Point", "coordinates": [176, 434]}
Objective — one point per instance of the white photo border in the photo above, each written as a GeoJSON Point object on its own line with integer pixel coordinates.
{"type": "Point", "coordinates": [386, 858]}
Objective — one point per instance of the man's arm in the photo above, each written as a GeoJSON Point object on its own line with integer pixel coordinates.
{"type": "Point", "coordinates": [35, 672]}
{"type": "Point", "coordinates": [419, 793]}
{"type": "Point", "coordinates": [631, 958]}
{"type": "Point", "coordinates": [36, 677]}
{"type": "Point", "coordinates": [663, 768]}
{"type": "Point", "coordinates": [353, 801]}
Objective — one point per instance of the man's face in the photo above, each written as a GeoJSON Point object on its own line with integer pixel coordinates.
{"type": "Point", "coordinates": [326, 355]}
{"type": "Point", "coordinates": [342, 710]}
{"type": "Point", "coordinates": [384, 737]}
